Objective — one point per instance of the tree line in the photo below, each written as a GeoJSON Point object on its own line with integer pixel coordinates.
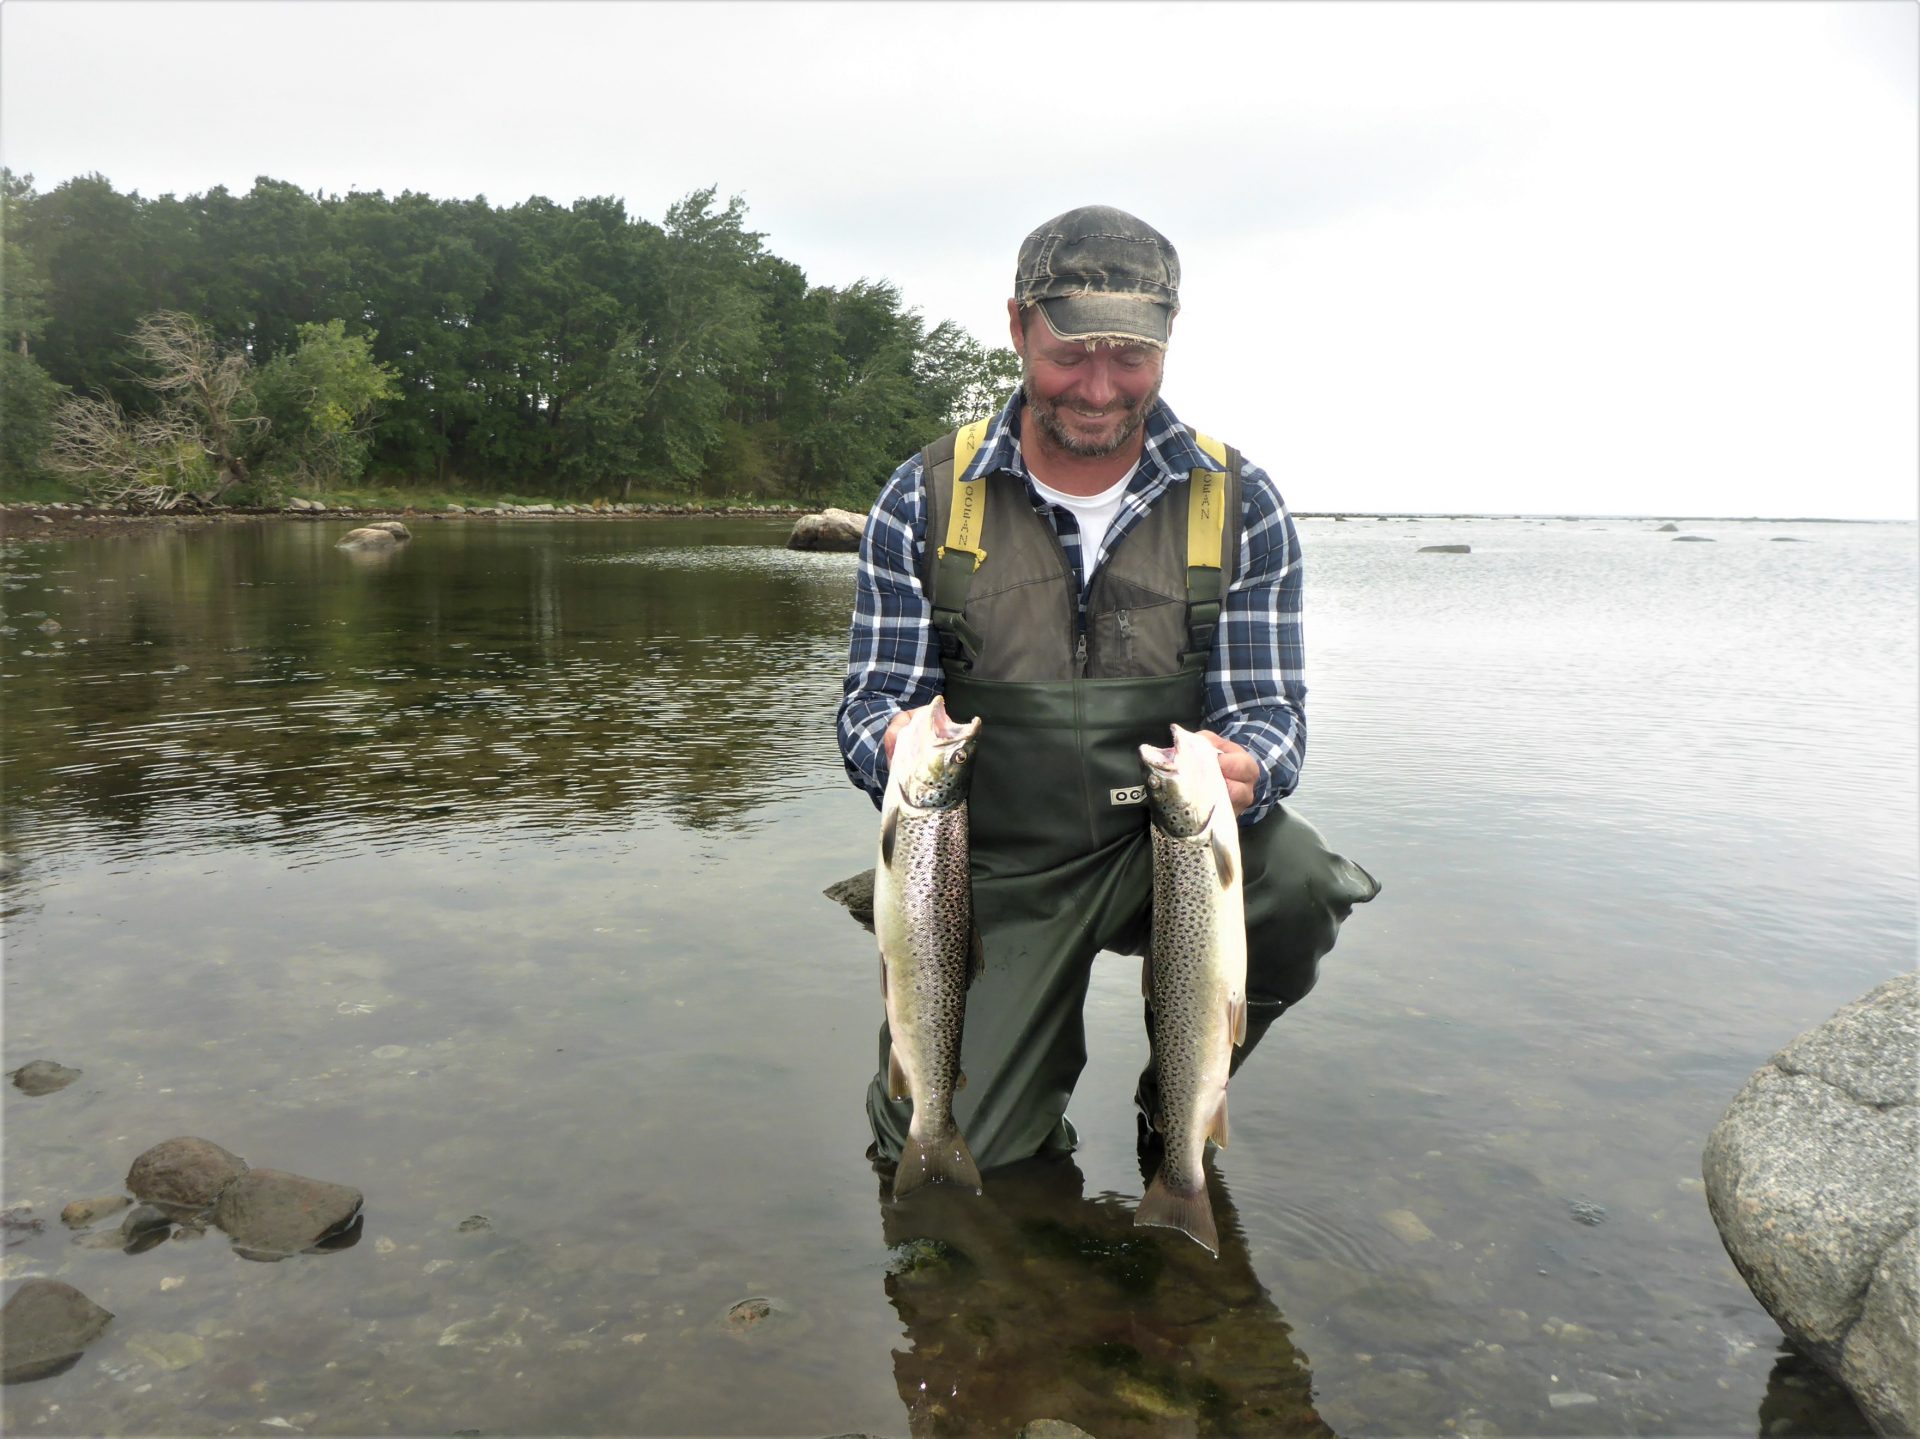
{"type": "Point", "coordinates": [243, 345]}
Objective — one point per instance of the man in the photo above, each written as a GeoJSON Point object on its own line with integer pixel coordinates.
{"type": "Point", "coordinates": [1088, 575]}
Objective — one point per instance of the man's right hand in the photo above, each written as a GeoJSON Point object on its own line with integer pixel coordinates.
{"type": "Point", "coordinates": [894, 728]}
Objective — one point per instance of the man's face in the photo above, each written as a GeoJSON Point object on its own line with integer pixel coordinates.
{"type": "Point", "coordinates": [1089, 401]}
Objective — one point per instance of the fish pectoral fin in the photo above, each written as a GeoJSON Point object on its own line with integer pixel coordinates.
{"type": "Point", "coordinates": [896, 1075]}
{"type": "Point", "coordinates": [1217, 1130]}
{"type": "Point", "coordinates": [889, 832]}
{"type": "Point", "coordinates": [976, 956]}
{"type": "Point", "coordinates": [1223, 860]}
{"type": "Point", "coordinates": [1237, 1018]}
{"type": "Point", "coordinates": [1146, 978]}
{"type": "Point", "coordinates": [959, 1080]}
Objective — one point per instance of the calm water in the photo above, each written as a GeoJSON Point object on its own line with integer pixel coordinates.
{"type": "Point", "coordinates": [486, 878]}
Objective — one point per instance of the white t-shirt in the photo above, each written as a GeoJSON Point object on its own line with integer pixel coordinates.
{"type": "Point", "coordinates": [1094, 512]}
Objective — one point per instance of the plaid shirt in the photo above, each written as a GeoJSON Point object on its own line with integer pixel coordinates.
{"type": "Point", "coordinates": [1255, 690]}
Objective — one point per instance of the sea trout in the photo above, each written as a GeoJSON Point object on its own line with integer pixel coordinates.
{"type": "Point", "coordinates": [929, 952]}
{"type": "Point", "coordinates": [1195, 975]}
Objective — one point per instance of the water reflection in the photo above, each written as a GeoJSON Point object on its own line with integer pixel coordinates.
{"type": "Point", "coordinates": [1033, 1301]}
{"type": "Point", "coordinates": [265, 688]}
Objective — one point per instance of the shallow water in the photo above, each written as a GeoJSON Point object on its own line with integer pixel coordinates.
{"type": "Point", "coordinates": [486, 877]}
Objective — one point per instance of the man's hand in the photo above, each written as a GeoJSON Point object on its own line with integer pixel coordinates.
{"type": "Point", "coordinates": [895, 726]}
{"type": "Point", "coordinates": [1241, 769]}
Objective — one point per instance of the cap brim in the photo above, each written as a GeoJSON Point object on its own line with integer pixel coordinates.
{"type": "Point", "coordinates": [1106, 317]}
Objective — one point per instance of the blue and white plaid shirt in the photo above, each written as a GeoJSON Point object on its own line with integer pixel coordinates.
{"type": "Point", "coordinates": [1255, 691]}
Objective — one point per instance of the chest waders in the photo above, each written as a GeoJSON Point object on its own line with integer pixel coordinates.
{"type": "Point", "coordinates": [1062, 864]}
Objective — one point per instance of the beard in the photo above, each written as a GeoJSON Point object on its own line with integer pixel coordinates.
{"type": "Point", "coordinates": [1047, 415]}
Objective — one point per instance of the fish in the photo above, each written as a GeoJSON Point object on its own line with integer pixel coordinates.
{"type": "Point", "coordinates": [1194, 976]}
{"type": "Point", "coordinates": [929, 948]}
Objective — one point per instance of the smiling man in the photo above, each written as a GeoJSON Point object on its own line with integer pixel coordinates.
{"type": "Point", "coordinates": [1082, 570]}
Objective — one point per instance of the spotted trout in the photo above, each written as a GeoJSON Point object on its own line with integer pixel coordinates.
{"type": "Point", "coordinates": [1195, 975]}
{"type": "Point", "coordinates": [929, 953]}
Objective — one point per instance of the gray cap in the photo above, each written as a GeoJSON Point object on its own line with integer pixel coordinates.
{"type": "Point", "coordinates": [1100, 273]}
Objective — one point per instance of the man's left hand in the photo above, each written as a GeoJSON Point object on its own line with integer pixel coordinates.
{"type": "Point", "coordinates": [1241, 769]}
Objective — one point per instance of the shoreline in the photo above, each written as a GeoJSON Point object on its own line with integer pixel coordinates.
{"type": "Point", "coordinates": [24, 521]}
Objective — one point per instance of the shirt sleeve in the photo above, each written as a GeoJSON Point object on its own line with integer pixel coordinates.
{"type": "Point", "coordinates": [1256, 683]}
{"type": "Point", "coordinates": [892, 656]}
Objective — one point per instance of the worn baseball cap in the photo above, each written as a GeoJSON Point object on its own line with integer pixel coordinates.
{"type": "Point", "coordinates": [1098, 273]}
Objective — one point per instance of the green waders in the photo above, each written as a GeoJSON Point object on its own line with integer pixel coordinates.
{"type": "Point", "coordinates": [1062, 870]}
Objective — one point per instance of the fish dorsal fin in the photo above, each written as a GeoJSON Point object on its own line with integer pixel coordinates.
{"type": "Point", "coordinates": [1217, 1131]}
{"type": "Point", "coordinates": [889, 832]}
{"type": "Point", "coordinates": [1223, 860]}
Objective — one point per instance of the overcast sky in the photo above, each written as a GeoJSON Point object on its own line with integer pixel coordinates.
{"type": "Point", "coordinates": [1594, 257]}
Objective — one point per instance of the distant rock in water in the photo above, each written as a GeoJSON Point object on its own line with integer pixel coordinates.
{"type": "Point", "coordinates": [1445, 549]}
{"type": "Point", "coordinates": [1695, 539]}
{"type": "Point", "coordinates": [43, 1076]}
{"type": "Point", "coordinates": [1787, 539]}
{"type": "Point", "coordinates": [372, 537]}
{"type": "Point", "coordinates": [831, 529]}
{"type": "Point", "coordinates": [1666, 529]}
{"type": "Point", "coordinates": [1809, 1178]}
{"type": "Point", "coordinates": [392, 527]}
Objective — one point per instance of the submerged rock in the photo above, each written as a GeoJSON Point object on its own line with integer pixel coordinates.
{"type": "Point", "coordinates": [43, 1076]}
{"type": "Point", "coordinates": [1445, 550]}
{"type": "Point", "coordinates": [1693, 539]}
{"type": "Point", "coordinates": [1809, 1178]}
{"type": "Point", "coordinates": [392, 527]}
{"type": "Point", "coordinates": [1666, 529]}
{"type": "Point", "coordinates": [44, 1329]}
{"type": "Point", "coordinates": [185, 1173]}
{"type": "Point", "coordinates": [831, 529]}
{"type": "Point", "coordinates": [270, 1214]}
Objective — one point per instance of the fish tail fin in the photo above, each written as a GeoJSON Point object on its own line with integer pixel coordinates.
{"type": "Point", "coordinates": [935, 1161]}
{"type": "Point", "coordinates": [1191, 1214]}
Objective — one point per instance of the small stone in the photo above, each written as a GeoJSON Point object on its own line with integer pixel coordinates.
{"type": "Point", "coordinates": [82, 1212]}
{"type": "Point", "coordinates": [1568, 1399]}
{"type": "Point", "coordinates": [48, 627]}
{"type": "Point", "coordinates": [475, 1222]}
{"type": "Point", "coordinates": [143, 1220]}
{"type": "Point", "coordinates": [1053, 1429]}
{"type": "Point", "coordinates": [390, 1051]}
{"type": "Point", "coordinates": [172, 1281]}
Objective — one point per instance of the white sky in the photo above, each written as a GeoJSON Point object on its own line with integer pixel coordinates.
{"type": "Point", "coordinates": [1552, 257]}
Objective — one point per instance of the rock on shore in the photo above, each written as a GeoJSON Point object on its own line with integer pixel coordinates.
{"type": "Point", "coordinates": [1810, 1178]}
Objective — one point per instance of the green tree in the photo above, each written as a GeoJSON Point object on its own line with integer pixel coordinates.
{"type": "Point", "coordinates": [318, 400]}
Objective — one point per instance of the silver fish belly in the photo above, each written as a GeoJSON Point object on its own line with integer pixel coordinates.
{"type": "Point", "coordinates": [923, 918]}
{"type": "Point", "coordinates": [1195, 976]}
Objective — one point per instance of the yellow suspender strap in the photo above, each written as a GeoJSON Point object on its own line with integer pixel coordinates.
{"type": "Point", "coordinates": [1206, 528]}
{"type": "Point", "coordinates": [1206, 507]}
{"type": "Point", "coordinates": [967, 515]}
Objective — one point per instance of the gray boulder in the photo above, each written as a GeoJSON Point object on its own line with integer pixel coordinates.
{"type": "Point", "coordinates": [44, 1328]}
{"type": "Point", "coordinates": [184, 1173]}
{"type": "Point", "coordinates": [1810, 1179]}
{"type": "Point", "coordinates": [829, 530]}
